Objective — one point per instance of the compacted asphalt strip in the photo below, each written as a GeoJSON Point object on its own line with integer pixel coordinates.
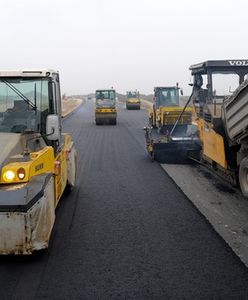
{"type": "Point", "coordinates": [126, 231]}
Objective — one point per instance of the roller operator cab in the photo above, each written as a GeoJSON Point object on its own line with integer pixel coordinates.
{"type": "Point", "coordinates": [166, 107]}
{"type": "Point", "coordinates": [105, 110]}
{"type": "Point", "coordinates": [37, 160]}
{"type": "Point", "coordinates": [133, 100]}
{"type": "Point", "coordinates": [170, 136]}
{"type": "Point", "coordinates": [220, 102]}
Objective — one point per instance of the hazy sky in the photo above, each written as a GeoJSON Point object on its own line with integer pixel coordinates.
{"type": "Point", "coordinates": [127, 44]}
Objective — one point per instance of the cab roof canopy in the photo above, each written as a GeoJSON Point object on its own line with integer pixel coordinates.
{"type": "Point", "coordinates": [105, 90]}
{"type": "Point", "coordinates": [28, 73]}
{"type": "Point", "coordinates": [165, 87]}
{"type": "Point", "coordinates": [239, 66]}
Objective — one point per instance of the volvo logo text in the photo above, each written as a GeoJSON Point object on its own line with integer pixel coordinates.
{"type": "Point", "coordinates": [238, 62]}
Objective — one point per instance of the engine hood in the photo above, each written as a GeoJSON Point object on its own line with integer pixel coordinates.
{"type": "Point", "coordinates": [10, 144]}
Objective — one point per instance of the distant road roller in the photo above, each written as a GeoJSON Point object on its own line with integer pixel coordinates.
{"type": "Point", "coordinates": [105, 110]}
{"type": "Point", "coordinates": [133, 100]}
{"type": "Point", "coordinates": [37, 160]}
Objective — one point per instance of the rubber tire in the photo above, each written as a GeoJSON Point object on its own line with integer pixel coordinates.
{"type": "Point", "coordinates": [243, 176]}
{"type": "Point", "coordinates": [150, 121]}
{"type": "Point", "coordinates": [70, 187]}
{"type": "Point", "coordinates": [114, 122]}
{"type": "Point", "coordinates": [152, 157]}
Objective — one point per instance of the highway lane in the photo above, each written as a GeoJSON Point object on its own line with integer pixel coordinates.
{"type": "Point", "coordinates": [126, 232]}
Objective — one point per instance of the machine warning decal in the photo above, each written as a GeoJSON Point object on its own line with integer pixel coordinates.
{"type": "Point", "coordinates": [39, 167]}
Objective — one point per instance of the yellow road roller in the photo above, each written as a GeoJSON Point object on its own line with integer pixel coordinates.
{"type": "Point", "coordinates": [37, 160]}
{"type": "Point", "coordinates": [105, 109]}
{"type": "Point", "coordinates": [132, 100]}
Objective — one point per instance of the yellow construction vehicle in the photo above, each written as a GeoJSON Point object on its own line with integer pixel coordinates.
{"type": "Point", "coordinates": [166, 107]}
{"type": "Point", "coordinates": [105, 110]}
{"type": "Point", "coordinates": [133, 100]}
{"type": "Point", "coordinates": [222, 117]}
{"type": "Point", "coordinates": [170, 136]}
{"type": "Point", "coordinates": [37, 160]}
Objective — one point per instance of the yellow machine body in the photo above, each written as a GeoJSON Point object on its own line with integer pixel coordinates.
{"type": "Point", "coordinates": [213, 146]}
{"type": "Point", "coordinates": [132, 100]}
{"type": "Point", "coordinates": [37, 163]}
{"type": "Point", "coordinates": [105, 110]}
{"type": "Point", "coordinates": [61, 165]}
{"type": "Point", "coordinates": [40, 162]}
{"type": "Point", "coordinates": [29, 228]}
{"type": "Point", "coordinates": [133, 103]}
{"type": "Point", "coordinates": [221, 118]}
{"type": "Point", "coordinates": [171, 137]}
{"type": "Point", "coordinates": [169, 115]}
{"type": "Point", "coordinates": [166, 108]}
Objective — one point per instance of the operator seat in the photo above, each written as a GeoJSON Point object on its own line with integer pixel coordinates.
{"type": "Point", "coordinates": [20, 117]}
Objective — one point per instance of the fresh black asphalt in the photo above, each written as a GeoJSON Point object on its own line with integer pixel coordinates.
{"type": "Point", "coordinates": [126, 231]}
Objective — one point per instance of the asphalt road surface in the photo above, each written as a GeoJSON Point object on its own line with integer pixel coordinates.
{"type": "Point", "coordinates": [126, 232]}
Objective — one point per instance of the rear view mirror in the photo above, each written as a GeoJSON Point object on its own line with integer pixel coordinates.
{"type": "Point", "coordinates": [52, 127]}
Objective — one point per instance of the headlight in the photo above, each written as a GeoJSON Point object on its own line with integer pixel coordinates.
{"type": "Point", "coordinates": [8, 176]}
{"type": "Point", "coordinates": [21, 173]}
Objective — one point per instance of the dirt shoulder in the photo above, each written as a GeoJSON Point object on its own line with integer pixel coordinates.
{"type": "Point", "coordinates": [70, 105]}
{"type": "Point", "coordinates": [146, 103]}
{"type": "Point", "coordinates": [222, 205]}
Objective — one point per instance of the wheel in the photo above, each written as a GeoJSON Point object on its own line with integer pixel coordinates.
{"type": "Point", "coordinates": [152, 157]}
{"type": "Point", "coordinates": [72, 172]}
{"type": "Point", "coordinates": [158, 125]}
{"type": "Point", "coordinates": [243, 176]}
{"type": "Point", "coordinates": [114, 122]}
{"type": "Point", "coordinates": [150, 121]}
